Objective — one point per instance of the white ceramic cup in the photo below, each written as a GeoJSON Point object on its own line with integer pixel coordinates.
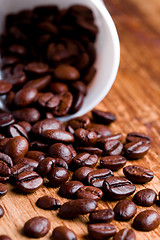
{"type": "Point", "coordinates": [107, 46]}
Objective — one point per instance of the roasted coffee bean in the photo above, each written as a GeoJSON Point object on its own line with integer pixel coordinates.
{"type": "Point", "coordinates": [36, 155]}
{"type": "Point", "coordinates": [90, 150]}
{"type": "Point", "coordinates": [58, 176]}
{"type": "Point", "coordinates": [25, 125]}
{"type": "Point", "coordinates": [3, 143]}
{"type": "Point", "coordinates": [100, 129]}
{"type": "Point", "coordinates": [89, 192]}
{"type": "Point", "coordinates": [125, 234]}
{"type": "Point", "coordinates": [125, 210]}
{"type": "Point", "coordinates": [45, 166]}
{"type": "Point", "coordinates": [102, 216]}
{"type": "Point", "coordinates": [17, 79]}
{"type": "Point", "coordinates": [73, 151]}
{"type": "Point", "coordinates": [3, 189]}
{"type": "Point", "coordinates": [39, 83]}
{"type": "Point", "coordinates": [118, 187]}
{"type": "Point", "coordinates": [17, 49]}
{"type": "Point", "coordinates": [136, 149]}
{"type": "Point", "coordinates": [66, 72]}
{"type": "Point", "coordinates": [79, 87]}
{"type": "Point", "coordinates": [101, 231]}
{"type": "Point", "coordinates": [48, 100]}
{"type": "Point", "coordinates": [16, 147]}
{"type": "Point", "coordinates": [134, 136]}
{"type": "Point", "coordinates": [61, 163]}
{"type": "Point", "coordinates": [16, 130]}
{"type": "Point", "coordinates": [138, 174]}
{"type": "Point", "coordinates": [6, 119]}
{"type": "Point", "coordinates": [101, 141]}
{"type": "Point", "coordinates": [85, 137]}
{"type": "Point", "coordinates": [59, 150]}
{"type": "Point", "coordinates": [73, 208]}
{"type": "Point", "coordinates": [145, 197]}
{"type": "Point", "coordinates": [1, 211]}
{"type": "Point", "coordinates": [36, 68]}
{"type": "Point", "coordinates": [4, 170]}
{"type": "Point", "coordinates": [25, 96]}
{"type": "Point", "coordinates": [48, 203]}
{"type": "Point", "coordinates": [30, 115]}
{"type": "Point", "coordinates": [113, 162]}
{"type": "Point", "coordinates": [103, 117]}
{"type": "Point", "coordinates": [28, 182]}
{"type": "Point", "coordinates": [5, 87]}
{"type": "Point", "coordinates": [28, 161]}
{"type": "Point", "coordinates": [81, 174]}
{"type": "Point", "coordinates": [97, 177]}
{"type": "Point", "coordinates": [113, 147]}
{"type": "Point", "coordinates": [58, 87]}
{"type": "Point", "coordinates": [64, 105]}
{"type": "Point", "coordinates": [147, 220]}
{"type": "Point", "coordinates": [78, 99]}
{"type": "Point", "coordinates": [38, 146]}
{"type": "Point", "coordinates": [81, 122]}
{"type": "Point", "coordinates": [63, 232]}
{"type": "Point", "coordinates": [20, 167]}
{"type": "Point", "coordinates": [58, 136]}
{"type": "Point", "coordinates": [69, 189]}
{"type": "Point", "coordinates": [85, 159]}
{"type": "Point", "coordinates": [4, 237]}
{"type": "Point", "coordinates": [37, 227]}
{"type": "Point", "coordinates": [6, 159]}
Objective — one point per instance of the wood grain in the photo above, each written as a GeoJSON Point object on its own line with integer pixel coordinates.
{"type": "Point", "coordinates": [134, 98]}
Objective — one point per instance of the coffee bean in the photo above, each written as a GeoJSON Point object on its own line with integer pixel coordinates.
{"type": "Point", "coordinates": [25, 96]}
{"type": "Point", "coordinates": [48, 203]}
{"type": "Point", "coordinates": [101, 231]}
{"type": "Point", "coordinates": [6, 119]}
{"type": "Point", "coordinates": [63, 232]}
{"type": "Point", "coordinates": [30, 115]}
{"type": "Point", "coordinates": [147, 220]}
{"type": "Point", "coordinates": [4, 170]}
{"type": "Point", "coordinates": [61, 163]}
{"type": "Point", "coordinates": [37, 227]}
{"type": "Point", "coordinates": [64, 105]}
{"type": "Point", "coordinates": [101, 141]}
{"type": "Point", "coordinates": [25, 125]}
{"type": "Point", "coordinates": [145, 197]}
{"type": "Point", "coordinates": [85, 159]}
{"type": "Point", "coordinates": [59, 150]}
{"type": "Point", "coordinates": [45, 166]}
{"type": "Point", "coordinates": [58, 87]}
{"type": "Point", "coordinates": [113, 162]}
{"type": "Point", "coordinates": [79, 87]}
{"type": "Point", "coordinates": [66, 72]}
{"type": "Point", "coordinates": [85, 137]}
{"type": "Point", "coordinates": [39, 83]}
{"type": "Point", "coordinates": [138, 174]}
{"type": "Point", "coordinates": [103, 117]}
{"type": "Point", "coordinates": [48, 101]}
{"type": "Point", "coordinates": [69, 189]}
{"type": "Point", "coordinates": [36, 155]}
{"type": "Point", "coordinates": [16, 130]}
{"type": "Point", "coordinates": [28, 182]}
{"type": "Point", "coordinates": [3, 143]}
{"type": "Point", "coordinates": [38, 146]}
{"type": "Point", "coordinates": [100, 129]}
{"type": "Point", "coordinates": [97, 177]}
{"type": "Point", "coordinates": [36, 68]}
{"type": "Point", "coordinates": [1, 211]}
{"type": "Point", "coordinates": [17, 79]}
{"type": "Point", "coordinates": [81, 122]}
{"type": "Point", "coordinates": [102, 216]}
{"type": "Point", "coordinates": [89, 192]}
{"type": "Point", "coordinates": [125, 210]}
{"type": "Point", "coordinates": [6, 159]}
{"type": "Point", "coordinates": [125, 234]}
{"type": "Point", "coordinates": [81, 174]}
{"type": "Point", "coordinates": [3, 189]}
{"type": "Point", "coordinates": [134, 136]}
{"type": "Point", "coordinates": [16, 147]}
{"type": "Point", "coordinates": [118, 187]}
{"type": "Point", "coordinates": [72, 150]}
{"type": "Point", "coordinates": [78, 99]}
{"type": "Point", "coordinates": [58, 136]}
{"type": "Point", "coordinates": [90, 150]}
{"type": "Point", "coordinates": [113, 147]}
{"type": "Point", "coordinates": [73, 208]}
{"type": "Point", "coordinates": [58, 176]}
{"type": "Point", "coordinates": [5, 87]}
{"type": "Point", "coordinates": [136, 149]}
{"type": "Point", "coordinates": [19, 168]}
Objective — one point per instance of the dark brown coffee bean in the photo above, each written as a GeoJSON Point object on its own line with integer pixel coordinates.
{"type": "Point", "coordinates": [9, 60]}
{"type": "Point", "coordinates": [100, 129]}
{"type": "Point", "coordinates": [103, 117]}
{"type": "Point", "coordinates": [101, 216]}
{"type": "Point", "coordinates": [28, 182]}
{"type": "Point", "coordinates": [3, 189]}
{"type": "Point", "coordinates": [36, 68]}
{"type": "Point", "coordinates": [48, 101]}
{"type": "Point", "coordinates": [78, 99]}
{"type": "Point", "coordinates": [58, 87]}
{"type": "Point", "coordinates": [6, 159]}
{"type": "Point", "coordinates": [97, 177]}
{"type": "Point", "coordinates": [25, 96]}
{"type": "Point", "coordinates": [125, 234]}
{"type": "Point", "coordinates": [3, 143]}
{"type": "Point", "coordinates": [39, 83]}
{"type": "Point", "coordinates": [38, 146]}
{"type": "Point", "coordinates": [90, 150]}
{"type": "Point", "coordinates": [89, 192]}
{"type": "Point", "coordinates": [16, 147]}
{"type": "Point", "coordinates": [81, 174]}
{"type": "Point", "coordinates": [136, 149]}
{"type": "Point", "coordinates": [147, 220]}
{"type": "Point", "coordinates": [48, 203]}
{"type": "Point", "coordinates": [19, 168]}
{"type": "Point", "coordinates": [73, 208]}
{"type": "Point", "coordinates": [125, 210]}
{"type": "Point", "coordinates": [6, 119]}
{"type": "Point", "coordinates": [118, 187]}
{"type": "Point", "coordinates": [4, 170]}
{"type": "Point", "coordinates": [17, 49]}
{"type": "Point", "coordinates": [4, 237]}
{"type": "Point", "coordinates": [58, 136]}
{"type": "Point", "coordinates": [81, 122]}
{"type": "Point", "coordinates": [37, 227]}
{"type": "Point", "coordinates": [134, 136]}
{"type": "Point", "coordinates": [72, 150]}
{"type": "Point", "coordinates": [85, 137]}
{"type": "Point", "coordinates": [36, 155]}
{"type": "Point", "coordinates": [101, 141]}
{"type": "Point", "coordinates": [28, 161]}
{"type": "Point", "coordinates": [69, 189]}
{"type": "Point", "coordinates": [63, 232]}
{"type": "Point", "coordinates": [101, 231]}
{"type": "Point", "coordinates": [1, 211]}
{"type": "Point", "coordinates": [113, 147]}
{"type": "Point", "coordinates": [30, 115]}
{"type": "Point", "coordinates": [5, 87]}
{"type": "Point", "coordinates": [64, 105]}
{"type": "Point", "coordinates": [45, 166]}
{"type": "Point", "coordinates": [79, 87]}
{"type": "Point", "coordinates": [66, 72]}
{"type": "Point", "coordinates": [58, 176]}
{"type": "Point", "coordinates": [138, 174]}
{"type": "Point", "coordinates": [16, 130]}
{"type": "Point", "coordinates": [61, 163]}
{"type": "Point", "coordinates": [113, 162]}
{"type": "Point", "coordinates": [25, 125]}
{"type": "Point", "coordinates": [59, 150]}
{"type": "Point", "coordinates": [85, 159]}
{"type": "Point", "coordinates": [145, 197]}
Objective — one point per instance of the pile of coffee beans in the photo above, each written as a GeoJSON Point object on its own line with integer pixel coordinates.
{"type": "Point", "coordinates": [79, 157]}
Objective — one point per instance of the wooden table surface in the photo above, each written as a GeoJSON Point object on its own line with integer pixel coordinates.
{"type": "Point", "coordinates": [134, 98]}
